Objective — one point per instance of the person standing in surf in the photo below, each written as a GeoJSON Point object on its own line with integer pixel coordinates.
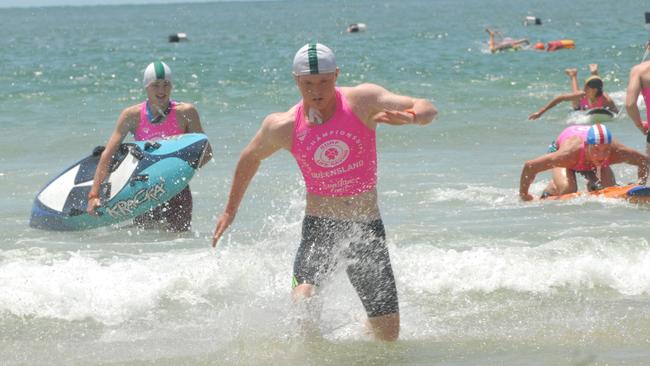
{"type": "Point", "coordinates": [639, 83]}
{"type": "Point", "coordinates": [331, 134]}
{"type": "Point", "coordinates": [157, 117]}
{"type": "Point", "coordinates": [586, 150]}
{"type": "Point", "coordinates": [591, 96]}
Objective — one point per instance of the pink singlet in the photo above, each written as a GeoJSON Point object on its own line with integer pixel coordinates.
{"type": "Point", "coordinates": [584, 103]}
{"type": "Point", "coordinates": [337, 158]}
{"type": "Point", "coordinates": [646, 98]}
{"type": "Point", "coordinates": [580, 131]}
{"type": "Point", "coordinates": [148, 131]}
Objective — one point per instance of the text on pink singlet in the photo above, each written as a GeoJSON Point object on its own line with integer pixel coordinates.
{"type": "Point", "coordinates": [338, 157]}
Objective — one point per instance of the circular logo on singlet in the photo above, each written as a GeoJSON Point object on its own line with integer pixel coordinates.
{"type": "Point", "coordinates": [331, 153]}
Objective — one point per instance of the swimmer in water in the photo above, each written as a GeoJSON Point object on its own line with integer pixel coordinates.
{"type": "Point", "coordinates": [505, 43]}
{"type": "Point", "coordinates": [591, 96]}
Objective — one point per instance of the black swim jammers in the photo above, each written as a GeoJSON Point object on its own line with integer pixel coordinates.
{"type": "Point", "coordinates": [175, 213]}
{"type": "Point", "coordinates": [362, 246]}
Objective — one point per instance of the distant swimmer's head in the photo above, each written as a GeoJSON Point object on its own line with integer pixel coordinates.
{"type": "Point", "coordinates": [156, 71]}
{"type": "Point", "coordinates": [314, 59]}
{"type": "Point", "coordinates": [539, 46]}
{"type": "Point", "coordinates": [595, 83]}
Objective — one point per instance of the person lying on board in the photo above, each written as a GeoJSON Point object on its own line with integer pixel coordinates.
{"type": "Point", "coordinates": [506, 43]}
{"type": "Point", "coordinates": [591, 96]}
{"type": "Point", "coordinates": [586, 150]}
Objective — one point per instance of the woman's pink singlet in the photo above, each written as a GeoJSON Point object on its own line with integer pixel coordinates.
{"type": "Point", "coordinates": [149, 131]}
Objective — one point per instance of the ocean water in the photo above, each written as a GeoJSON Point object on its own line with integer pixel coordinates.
{"type": "Point", "coordinates": [483, 278]}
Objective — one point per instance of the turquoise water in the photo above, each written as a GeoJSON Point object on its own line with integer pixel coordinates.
{"type": "Point", "coordinates": [482, 277]}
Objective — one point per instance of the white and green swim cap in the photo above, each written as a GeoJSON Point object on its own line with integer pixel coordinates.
{"type": "Point", "coordinates": [314, 58]}
{"type": "Point", "coordinates": [156, 71]}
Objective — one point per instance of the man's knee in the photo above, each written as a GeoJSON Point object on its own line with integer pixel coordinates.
{"type": "Point", "coordinates": [565, 187]}
{"type": "Point", "coordinates": [303, 291]}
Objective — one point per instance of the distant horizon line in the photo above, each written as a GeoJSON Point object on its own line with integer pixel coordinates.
{"type": "Point", "coordinates": [85, 3]}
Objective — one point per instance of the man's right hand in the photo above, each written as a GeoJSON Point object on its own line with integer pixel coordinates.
{"type": "Point", "coordinates": [222, 224]}
{"type": "Point", "coordinates": [93, 204]}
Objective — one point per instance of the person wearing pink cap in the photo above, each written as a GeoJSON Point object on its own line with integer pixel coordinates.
{"type": "Point", "coordinates": [331, 134]}
{"type": "Point", "coordinates": [639, 83]}
{"type": "Point", "coordinates": [157, 117]}
{"type": "Point", "coordinates": [586, 150]}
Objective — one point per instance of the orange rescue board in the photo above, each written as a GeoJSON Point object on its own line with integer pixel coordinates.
{"type": "Point", "coordinates": [633, 192]}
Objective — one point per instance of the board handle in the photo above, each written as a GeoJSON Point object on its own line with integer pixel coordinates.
{"type": "Point", "coordinates": [133, 149]}
{"type": "Point", "coordinates": [138, 178]}
{"type": "Point", "coordinates": [151, 145]}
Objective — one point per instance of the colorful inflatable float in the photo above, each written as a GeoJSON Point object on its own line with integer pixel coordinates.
{"type": "Point", "coordinates": [560, 44]}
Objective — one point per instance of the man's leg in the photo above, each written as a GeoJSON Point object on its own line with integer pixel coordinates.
{"type": "Point", "coordinates": [371, 274]}
{"type": "Point", "coordinates": [564, 181]}
{"type": "Point", "coordinates": [314, 262]}
{"type": "Point", "coordinates": [385, 327]}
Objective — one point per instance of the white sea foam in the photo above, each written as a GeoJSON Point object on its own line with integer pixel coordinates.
{"type": "Point", "coordinates": [112, 290]}
{"type": "Point", "coordinates": [476, 193]}
{"type": "Point", "coordinates": [576, 263]}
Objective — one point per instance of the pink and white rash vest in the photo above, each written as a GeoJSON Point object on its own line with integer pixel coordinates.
{"type": "Point", "coordinates": [584, 103]}
{"type": "Point", "coordinates": [149, 131]}
{"type": "Point", "coordinates": [337, 158]}
{"type": "Point", "coordinates": [580, 131]}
